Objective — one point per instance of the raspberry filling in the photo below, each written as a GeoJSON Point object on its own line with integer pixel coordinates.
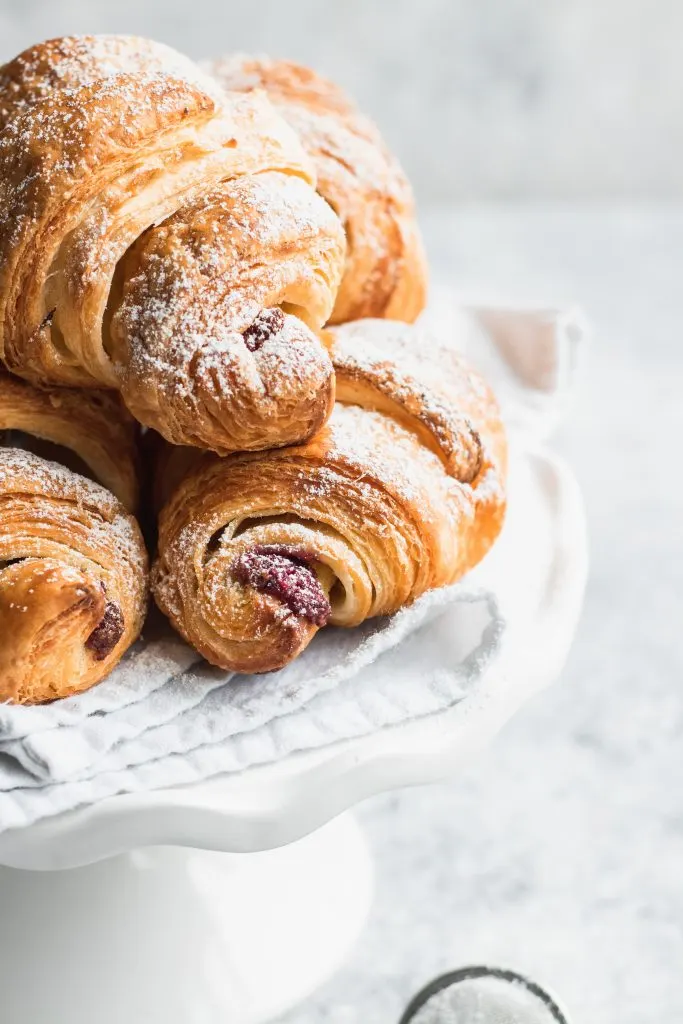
{"type": "Point", "coordinates": [105, 637]}
{"type": "Point", "coordinates": [267, 323]}
{"type": "Point", "coordinates": [284, 573]}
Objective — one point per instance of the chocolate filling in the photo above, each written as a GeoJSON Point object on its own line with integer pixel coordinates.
{"type": "Point", "coordinates": [267, 323]}
{"type": "Point", "coordinates": [105, 637]}
{"type": "Point", "coordinates": [46, 450]}
{"type": "Point", "coordinates": [284, 573]}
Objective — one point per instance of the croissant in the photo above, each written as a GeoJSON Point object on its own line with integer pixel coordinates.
{"type": "Point", "coordinates": [73, 565]}
{"type": "Point", "coordinates": [402, 491]}
{"type": "Point", "coordinates": [385, 274]}
{"type": "Point", "coordinates": [88, 432]}
{"type": "Point", "coordinates": [162, 238]}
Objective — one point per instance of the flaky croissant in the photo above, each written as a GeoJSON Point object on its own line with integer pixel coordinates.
{"type": "Point", "coordinates": [73, 565]}
{"type": "Point", "coordinates": [163, 238]}
{"type": "Point", "coordinates": [401, 492]}
{"type": "Point", "coordinates": [89, 432]}
{"type": "Point", "coordinates": [386, 272]}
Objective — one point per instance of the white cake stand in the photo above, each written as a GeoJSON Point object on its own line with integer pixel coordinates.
{"type": "Point", "coordinates": [138, 928]}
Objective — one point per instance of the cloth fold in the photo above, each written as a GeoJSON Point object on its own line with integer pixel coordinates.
{"type": "Point", "coordinates": [164, 717]}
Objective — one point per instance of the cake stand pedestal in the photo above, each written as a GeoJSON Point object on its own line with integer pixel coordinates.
{"type": "Point", "coordinates": [232, 900]}
{"type": "Point", "coordinates": [167, 935]}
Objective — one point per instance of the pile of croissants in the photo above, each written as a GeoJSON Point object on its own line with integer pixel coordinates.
{"type": "Point", "coordinates": [208, 280]}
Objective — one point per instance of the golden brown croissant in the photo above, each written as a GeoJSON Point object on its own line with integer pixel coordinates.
{"type": "Point", "coordinates": [89, 432]}
{"type": "Point", "coordinates": [73, 566]}
{"type": "Point", "coordinates": [385, 272]}
{"type": "Point", "coordinates": [163, 238]}
{"type": "Point", "coordinates": [401, 492]}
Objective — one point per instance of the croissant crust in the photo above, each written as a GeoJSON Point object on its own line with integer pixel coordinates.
{"type": "Point", "coordinates": [94, 426]}
{"type": "Point", "coordinates": [401, 492]}
{"type": "Point", "coordinates": [386, 271]}
{"type": "Point", "coordinates": [148, 223]}
{"type": "Point", "coordinates": [73, 580]}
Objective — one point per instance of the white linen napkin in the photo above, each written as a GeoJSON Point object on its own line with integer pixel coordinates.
{"type": "Point", "coordinates": [164, 717]}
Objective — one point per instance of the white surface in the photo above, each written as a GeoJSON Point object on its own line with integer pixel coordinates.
{"type": "Point", "coordinates": [538, 569]}
{"type": "Point", "coordinates": [167, 936]}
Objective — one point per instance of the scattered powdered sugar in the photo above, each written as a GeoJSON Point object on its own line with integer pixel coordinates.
{"type": "Point", "coordinates": [431, 389]}
{"type": "Point", "coordinates": [418, 352]}
{"type": "Point", "coordinates": [73, 126]}
{"type": "Point", "coordinates": [428, 379]}
{"type": "Point", "coordinates": [356, 172]}
{"type": "Point", "coordinates": [24, 473]}
{"type": "Point", "coordinates": [58, 152]}
{"type": "Point", "coordinates": [386, 456]}
{"type": "Point", "coordinates": [61, 108]}
{"type": "Point", "coordinates": [74, 62]}
{"type": "Point", "coordinates": [187, 305]}
{"type": "Point", "coordinates": [51, 479]}
{"type": "Point", "coordinates": [328, 123]}
{"type": "Point", "coordinates": [189, 311]}
{"type": "Point", "coordinates": [49, 575]}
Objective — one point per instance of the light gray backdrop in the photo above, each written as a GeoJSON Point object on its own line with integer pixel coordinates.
{"type": "Point", "coordinates": [481, 98]}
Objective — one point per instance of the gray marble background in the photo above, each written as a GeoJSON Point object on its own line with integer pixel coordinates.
{"type": "Point", "coordinates": [480, 98]}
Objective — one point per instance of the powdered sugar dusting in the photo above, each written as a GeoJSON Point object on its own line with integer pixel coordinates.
{"type": "Point", "coordinates": [380, 454]}
{"type": "Point", "coordinates": [201, 282]}
{"type": "Point", "coordinates": [77, 181]}
{"type": "Point", "coordinates": [268, 323]}
{"type": "Point", "coordinates": [428, 382]}
{"type": "Point", "coordinates": [22, 472]}
{"type": "Point", "coordinates": [418, 352]}
{"type": "Point", "coordinates": [77, 114]}
{"type": "Point", "coordinates": [329, 125]}
{"type": "Point", "coordinates": [394, 372]}
{"type": "Point", "coordinates": [73, 62]}
{"type": "Point", "coordinates": [58, 153]}
{"type": "Point", "coordinates": [66, 134]}
{"type": "Point", "coordinates": [356, 172]}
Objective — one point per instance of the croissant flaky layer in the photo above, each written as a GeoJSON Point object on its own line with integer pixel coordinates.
{"type": "Point", "coordinates": [149, 225]}
{"type": "Point", "coordinates": [73, 61]}
{"type": "Point", "coordinates": [73, 575]}
{"type": "Point", "coordinates": [88, 432]}
{"type": "Point", "coordinates": [217, 335]}
{"type": "Point", "coordinates": [386, 273]}
{"type": "Point", "coordinates": [401, 492]}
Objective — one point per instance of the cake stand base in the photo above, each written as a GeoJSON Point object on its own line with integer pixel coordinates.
{"type": "Point", "coordinates": [173, 936]}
